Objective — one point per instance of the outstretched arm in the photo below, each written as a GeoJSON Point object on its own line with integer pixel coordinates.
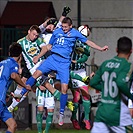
{"type": "Point", "coordinates": [18, 80]}
{"type": "Point", "coordinates": [95, 46]}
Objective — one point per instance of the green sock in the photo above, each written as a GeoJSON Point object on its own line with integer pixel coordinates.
{"type": "Point", "coordinates": [39, 121]}
{"type": "Point", "coordinates": [87, 107]}
{"type": "Point", "coordinates": [57, 94]}
{"type": "Point", "coordinates": [75, 76]}
{"type": "Point", "coordinates": [48, 121]}
{"type": "Point", "coordinates": [74, 112]}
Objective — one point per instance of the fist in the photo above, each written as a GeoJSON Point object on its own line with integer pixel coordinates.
{"type": "Point", "coordinates": [66, 10]}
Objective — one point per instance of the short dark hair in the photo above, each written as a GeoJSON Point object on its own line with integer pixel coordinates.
{"type": "Point", "coordinates": [67, 20]}
{"type": "Point", "coordinates": [35, 27]}
{"type": "Point", "coordinates": [124, 45]}
{"type": "Point", "coordinates": [15, 49]}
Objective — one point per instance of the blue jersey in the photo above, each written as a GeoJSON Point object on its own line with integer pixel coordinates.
{"type": "Point", "coordinates": [63, 43]}
{"type": "Point", "coordinates": [7, 67]}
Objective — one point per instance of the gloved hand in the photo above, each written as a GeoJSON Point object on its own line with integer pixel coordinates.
{"type": "Point", "coordinates": [86, 80]}
{"type": "Point", "coordinates": [52, 21]}
{"type": "Point", "coordinates": [66, 10]}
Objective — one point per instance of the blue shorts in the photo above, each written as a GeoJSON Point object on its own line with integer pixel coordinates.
{"type": "Point", "coordinates": [59, 64]}
{"type": "Point", "coordinates": [4, 113]}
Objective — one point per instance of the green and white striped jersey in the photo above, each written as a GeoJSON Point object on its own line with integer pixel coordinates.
{"type": "Point", "coordinates": [81, 58]}
{"type": "Point", "coordinates": [45, 93]}
{"type": "Point", "coordinates": [113, 80]}
{"type": "Point", "coordinates": [31, 49]}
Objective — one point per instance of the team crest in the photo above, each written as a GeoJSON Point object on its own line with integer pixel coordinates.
{"type": "Point", "coordinates": [68, 34]}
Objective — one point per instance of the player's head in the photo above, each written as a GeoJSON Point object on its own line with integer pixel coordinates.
{"type": "Point", "coordinates": [66, 24]}
{"type": "Point", "coordinates": [15, 50]}
{"type": "Point", "coordinates": [84, 30]}
{"type": "Point", "coordinates": [33, 33]}
{"type": "Point", "coordinates": [124, 45]}
{"type": "Point", "coordinates": [51, 24]}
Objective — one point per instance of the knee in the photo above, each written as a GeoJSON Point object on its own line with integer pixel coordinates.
{"type": "Point", "coordinates": [13, 126]}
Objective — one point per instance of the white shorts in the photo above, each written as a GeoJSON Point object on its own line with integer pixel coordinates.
{"type": "Point", "coordinates": [48, 102]}
{"type": "Point", "coordinates": [77, 83]}
{"type": "Point", "coordinates": [100, 127]}
{"type": "Point", "coordinates": [130, 103]}
{"type": "Point", "coordinates": [33, 69]}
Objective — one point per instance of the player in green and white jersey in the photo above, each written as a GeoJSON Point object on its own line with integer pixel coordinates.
{"type": "Point", "coordinates": [130, 103]}
{"type": "Point", "coordinates": [113, 80]}
{"type": "Point", "coordinates": [79, 57]}
{"type": "Point", "coordinates": [31, 47]}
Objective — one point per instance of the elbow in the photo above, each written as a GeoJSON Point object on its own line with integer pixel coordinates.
{"type": "Point", "coordinates": [13, 75]}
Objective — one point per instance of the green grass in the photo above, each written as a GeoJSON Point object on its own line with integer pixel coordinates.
{"type": "Point", "coordinates": [57, 131]}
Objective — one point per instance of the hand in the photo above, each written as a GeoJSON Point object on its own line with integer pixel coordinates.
{"type": "Point", "coordinates": [52, 21]}
{"type": "Point", "coordinates": [35, 59]}
{"type": "Point", "coordinates": [74, 61]}
{"type": "Point", "coordinates": [28, 87]}
{"type": "Point", "coordinates": [42, 88]}
{"type": "Point", "coordinates": [105, 48]}
{"type": "Point", "coordinates": [45, 22]}
{"type": "Point", "coordinates": [66, 10]}
{"type": "Point", "coordinates": [92, 74]}
{"type": "Point", "coordinates": [20, 71]}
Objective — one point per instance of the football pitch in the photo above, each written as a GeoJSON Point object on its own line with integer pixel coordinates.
{"type": "Point", "coordinates": [57, 131]}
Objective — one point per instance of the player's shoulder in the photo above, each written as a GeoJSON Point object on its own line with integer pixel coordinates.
{"type": "Point", "coordinates": [40, 40]}
{"type": "Point", "coordinates": [75, 32]}
{"type": "Point", "coordinates": [20, 40]}
{"type": "Point", "coordinates": [57, 30]}
{"type": "Point", "coordinates": [9, 62]}
{"type": "Point", "coordinates": [108, 61]}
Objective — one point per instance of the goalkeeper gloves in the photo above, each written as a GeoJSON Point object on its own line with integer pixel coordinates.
{"type": "Point", "coordinates": [66, 10]}
{"type": "Point", "coordinates": [86, 80]}
{"type": "Point", "coordinates": [52, 21]}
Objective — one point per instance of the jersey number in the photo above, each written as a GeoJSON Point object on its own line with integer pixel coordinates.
{"type": "Point", "coordinates": [110, 86]}
{"type": "Point", "coordinates": [60, 41]}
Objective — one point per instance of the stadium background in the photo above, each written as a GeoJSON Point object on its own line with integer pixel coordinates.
{"type": "Point", "coordinates": [108, 19]}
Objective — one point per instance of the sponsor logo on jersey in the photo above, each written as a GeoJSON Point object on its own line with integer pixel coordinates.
{"type": "Point", "coordinates": [32, 51]}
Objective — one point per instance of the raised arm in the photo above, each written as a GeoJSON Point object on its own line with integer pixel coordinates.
{"type": "Point", "coordinates": [44, 25]}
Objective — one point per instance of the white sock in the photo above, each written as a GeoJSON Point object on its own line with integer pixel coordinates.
{"type": "Point", "coordinates": [14, 103]}
{"type": "Point", "coordinates": [61, 118]}
{"type": "Point", "coordinates": [22, 99]}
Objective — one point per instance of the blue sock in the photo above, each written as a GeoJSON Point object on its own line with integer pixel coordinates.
{"type": "Point", "coordinates": [63, 101]}
{"type": "Point", "coordinates": [8, 132]}
{"type": "Point", "coordinates": [31, 81]}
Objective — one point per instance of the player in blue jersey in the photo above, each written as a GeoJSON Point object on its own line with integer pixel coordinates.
{"type": "Point", "coordinates": [9, 72]}
{"type": "Point", "coordinates": [61, 45]}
